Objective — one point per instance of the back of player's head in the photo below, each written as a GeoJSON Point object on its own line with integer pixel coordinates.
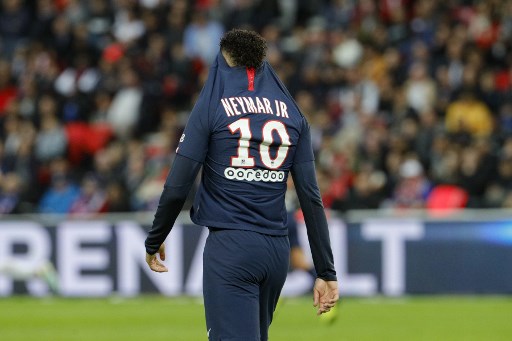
{"type": "Point", "coordinates": [246, 48]}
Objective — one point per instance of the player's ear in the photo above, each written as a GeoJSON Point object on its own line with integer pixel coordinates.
{"type": "Point", "coordinates": [228, 58]}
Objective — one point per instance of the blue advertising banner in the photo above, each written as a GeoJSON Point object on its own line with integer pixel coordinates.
{"type": "Point", "coordinates": [382, 256]}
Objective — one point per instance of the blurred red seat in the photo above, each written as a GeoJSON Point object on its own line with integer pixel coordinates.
{"type": "Point", "coordinates": [85, 139]}
{"type": "Point", "coordinates": [445, 199]}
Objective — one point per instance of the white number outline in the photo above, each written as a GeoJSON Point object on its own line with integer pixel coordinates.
{"type": "Point", "coordinates": [243, 158]}
{"type": "Point", "coordinates": [268, 139]}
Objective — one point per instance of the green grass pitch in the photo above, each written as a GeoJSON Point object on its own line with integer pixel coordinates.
{"type": "Point", "coordinates": [181, 319]}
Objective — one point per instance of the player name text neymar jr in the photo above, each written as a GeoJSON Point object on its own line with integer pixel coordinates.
{"type": "Point", "coordinates": [235, 106]}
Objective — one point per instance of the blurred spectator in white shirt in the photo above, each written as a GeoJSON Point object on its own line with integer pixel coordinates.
{"type": "Point", "coordinates": [202, 36]}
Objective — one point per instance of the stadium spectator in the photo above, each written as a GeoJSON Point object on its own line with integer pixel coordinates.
{"type": "Point", "coordinates": [10, 193]}
{"type": "Point", "coordinates": [201, 37]}
{"type": "Point", "coordinates": [8, 91]}
{"type": "Point", "coordinates": [14, 25]}
{"type": "Point", "coordinates": [117, 197]}
{"type": "Point", "coordinates": [366, 192]}
{"type": "Point", "coordinates": [413, 187]}
{"type": "Point", "coordinates": [128, 26]}
{"type": "Point", "coordinates": [469, 115]}
{"type": "Point", "coordinates": [92, 198]}
{"type": "Point", "coordinates": [476, 171]}
{"type": "Point", "coordinates": [60, 196]}
{"type": "Point", "coordinates": [51, 140]}
{"type": "Point", "coordinates": [124, 110]}
{"type": "Point", "coordinates": [420, 88]}
{"type": "Point", "coordinates": [62, 191]}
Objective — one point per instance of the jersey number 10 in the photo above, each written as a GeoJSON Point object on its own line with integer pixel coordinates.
{"type": "Point", "coordinates": [243, 159]}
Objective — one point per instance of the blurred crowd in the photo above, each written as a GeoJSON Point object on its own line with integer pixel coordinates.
{"type": "Point", "coordinates": [410, 102]}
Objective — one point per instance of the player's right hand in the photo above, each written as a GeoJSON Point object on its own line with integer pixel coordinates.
{"type": "Point", "coordinates": [154, 263]}
{"type": "Point", "coordinates": [325, 295]}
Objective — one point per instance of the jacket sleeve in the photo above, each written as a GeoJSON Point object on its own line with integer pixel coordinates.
{"type": "Point", "coordinates": [179, 181]}
{"type": "Point", "coordinates": [306, 186]}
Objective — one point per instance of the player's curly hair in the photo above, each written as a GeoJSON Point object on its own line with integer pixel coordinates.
{"type": "Point", "coordinates": [246, 48]}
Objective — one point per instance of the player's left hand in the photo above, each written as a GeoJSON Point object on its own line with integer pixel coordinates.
{"type": "Point", "coordinates": [154, 263]}
{"type": "Point", "coordinates": [325, 295]}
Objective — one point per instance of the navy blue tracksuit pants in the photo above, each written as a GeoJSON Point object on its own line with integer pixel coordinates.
{"type": "Point", "coordinates": [243, 274]}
